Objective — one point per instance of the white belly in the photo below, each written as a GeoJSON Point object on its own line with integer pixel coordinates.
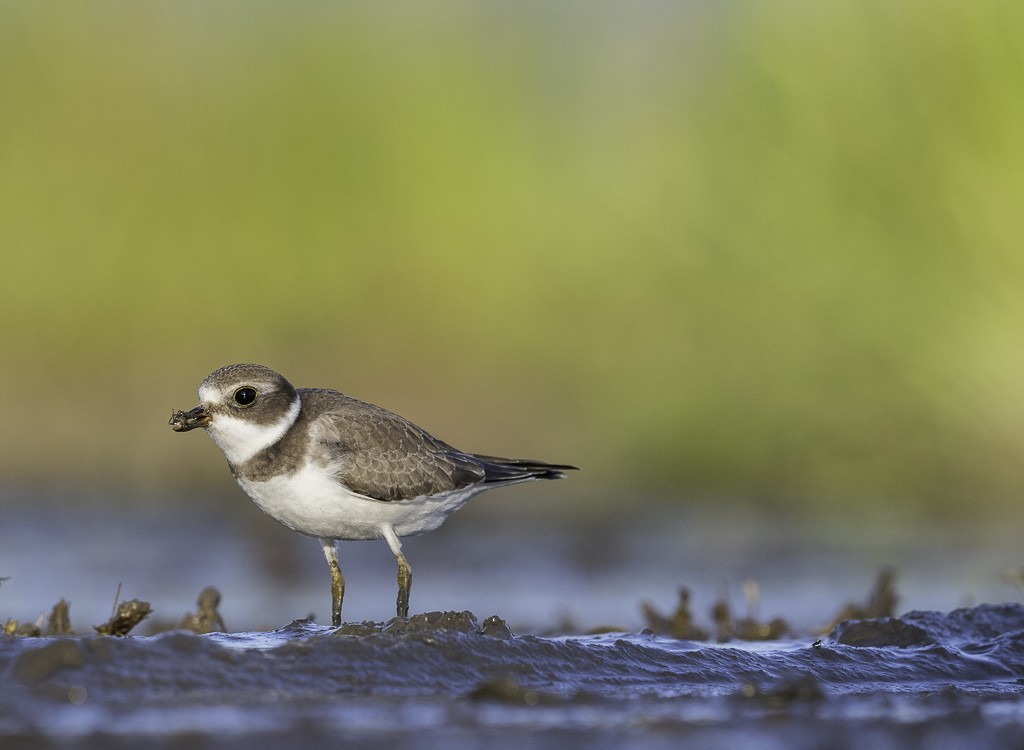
{"type": "Point", "coordinates": [312, 502]}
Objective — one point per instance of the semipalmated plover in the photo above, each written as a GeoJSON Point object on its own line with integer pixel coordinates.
{"type": "Point", "coordinates": [330, 466]}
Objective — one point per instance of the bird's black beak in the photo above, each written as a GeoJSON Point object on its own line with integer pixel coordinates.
{"type": "Point", "coordinates": [183, 421]}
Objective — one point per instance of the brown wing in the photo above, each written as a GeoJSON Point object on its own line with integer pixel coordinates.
{"type": "Point", "coordinates": [381, 455]}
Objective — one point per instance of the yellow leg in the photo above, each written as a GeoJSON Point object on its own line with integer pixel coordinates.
{"type": "Point", "coordinates": [404, 570]}
{"type": "Point", "coordinates": [337, 580]}
{"type": "Point", "coordinates": [404, 585]}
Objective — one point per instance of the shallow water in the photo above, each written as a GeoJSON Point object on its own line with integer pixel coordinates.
{"type": "Point", "coordinates": [926, 680]}
{"type": "Point", "coordinates": [542, 573]}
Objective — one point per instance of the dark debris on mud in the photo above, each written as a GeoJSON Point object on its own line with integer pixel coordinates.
{"type": "Point", "coordinates": [207, 617]}
{"type": "Point", "coordinates": [680, 624]}
{"type": "Point", "coordinates": [127, 615]}
{"type": "Point", "coordinates": [429, 623]}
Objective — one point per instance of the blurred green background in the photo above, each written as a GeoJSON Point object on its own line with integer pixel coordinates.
{"type": "Point", "coordinates": [738, 252]}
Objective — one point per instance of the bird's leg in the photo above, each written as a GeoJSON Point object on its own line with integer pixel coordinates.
{"type": "Point", "coordinates": [337, 580]}
{"type": "Point", "coordinates": [404, 571]}
{"type": "Point", "coordinates": [404, 585]}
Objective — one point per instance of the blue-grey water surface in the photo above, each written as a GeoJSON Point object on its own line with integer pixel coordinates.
{"type": "Point", "coordinates": [451, 682]}
{"type": "Point", "coordinates": [945, 675]}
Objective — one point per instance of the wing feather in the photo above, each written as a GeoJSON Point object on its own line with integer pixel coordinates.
{"type": "Point", "coordinates": [382, 455]}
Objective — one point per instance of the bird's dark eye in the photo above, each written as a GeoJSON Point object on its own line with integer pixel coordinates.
{"type": "Point", "coordinates": [245, 396]}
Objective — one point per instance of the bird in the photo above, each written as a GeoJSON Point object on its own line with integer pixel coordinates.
{"type": "Point", "coordinates": [335, 468]}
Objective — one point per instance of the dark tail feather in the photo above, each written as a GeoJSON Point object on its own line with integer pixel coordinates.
{"type": "Point", "coordinates": [498, 469]}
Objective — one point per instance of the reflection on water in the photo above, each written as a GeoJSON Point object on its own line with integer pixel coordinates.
{"type": "Point", "coordinates": [539, 573]}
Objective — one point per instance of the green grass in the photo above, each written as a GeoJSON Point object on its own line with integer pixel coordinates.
{"type": "Point", "coordinates": [752, 251]}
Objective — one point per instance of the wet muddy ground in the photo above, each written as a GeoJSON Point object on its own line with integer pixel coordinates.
{"type": "Point", "coordinates": [725, 632]}
{"type": "Point", "coordinates": [927, 679]}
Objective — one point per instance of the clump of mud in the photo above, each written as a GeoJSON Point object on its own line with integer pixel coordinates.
{"type": "Point", "coordinates": [429, 623]}
{"type": "Point", "coordinates": [748, 628]}
{"type": "Point", "coordinates": [207, 617]}
{"type": "Point", "coordinates": [880, 632]}
{"type": "Point", "coordinates": [879, 605]}
{"type": "Point", "coordinates": [681, 625]}
{"type": "Point", "coordinates": [126, 616]}
{"type": "Point", "coordinates": [788, 691]}
{"type": "Point", "coordinates": [511, 690]}
{"type": "Point", "coordinates": [677, 625]}
{"type": "Point", "coordinates": [123, 620]}
{"type": "Point", "coordinates": [881, 602]}
{"type": "Point", "coordinates": [58, 623]}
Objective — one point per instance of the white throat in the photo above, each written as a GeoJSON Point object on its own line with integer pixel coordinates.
{"type": "Point", "coordinates": [241, 440]}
